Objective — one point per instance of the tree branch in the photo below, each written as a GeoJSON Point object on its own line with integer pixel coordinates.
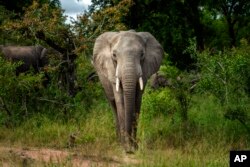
{"type": "Point", "coordinates": [41, 35]}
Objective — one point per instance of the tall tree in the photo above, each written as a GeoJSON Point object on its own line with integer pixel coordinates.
{"type": "Point", "coordinates": [172, 22]}
{"type": "Point", "coordinates": [234, 12]}
{"type": "Point", "coordinates": [18, 6]}
{"type": "Point", "coordinates": [193, 13]}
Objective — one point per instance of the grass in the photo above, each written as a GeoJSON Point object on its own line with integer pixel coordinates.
{"type": "Point", "coordinates": [163, 139]}
{"type": "Point", "coordinates": [190, 155]}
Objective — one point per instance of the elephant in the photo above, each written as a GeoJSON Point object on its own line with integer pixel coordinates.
{"type": "Point", "coordinates": [124, 61]}
{"type": "Point", "coordinates": [34, 56]}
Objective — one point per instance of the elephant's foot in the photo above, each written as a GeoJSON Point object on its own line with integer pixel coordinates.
{"type": "Point", "coordinates": [131, 149]}
{"type": "Point", "coordinates": [130, 146]}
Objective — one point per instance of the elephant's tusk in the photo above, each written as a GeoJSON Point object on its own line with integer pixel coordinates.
{"type": "Point", "coordinates": [116, 71]}
{"type": "Point", "coordinates": [141, 83]}
{"type": "Point", "coordinates": [117, 81]}
{"type": "Point", "coordinates": [117, 84]}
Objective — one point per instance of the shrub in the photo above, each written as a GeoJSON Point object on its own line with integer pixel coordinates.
{"type": "Point", "coordinates": [16, 92]}
{"type": "Point", "coordinates": [227, 76]}
{"type": "Point", "coordinates": [157, 106]}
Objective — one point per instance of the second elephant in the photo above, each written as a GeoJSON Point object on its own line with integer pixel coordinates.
{"type": "Point", "coordinates": [31, 56]}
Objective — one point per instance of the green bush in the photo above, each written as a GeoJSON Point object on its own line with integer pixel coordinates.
{"type": "Point", "coordinates": [226, 75]}
{"type": "Point", "coordinates": [160, 101]}
{"type": "Point", "coordinates": [91, 90]}
{"type": "Point", "coordinates": [157, 106]}
{"type": "Point", "coordinates": [16, 92]}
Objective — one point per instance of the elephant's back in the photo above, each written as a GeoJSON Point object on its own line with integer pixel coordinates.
{"type": "Point", "coordinates": [17, 53]}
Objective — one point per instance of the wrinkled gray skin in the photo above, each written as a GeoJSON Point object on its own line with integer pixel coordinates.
{"type": "Point", "coordinates": [120, 59]}
{"type": "Point", "coordinates": [34, 56]}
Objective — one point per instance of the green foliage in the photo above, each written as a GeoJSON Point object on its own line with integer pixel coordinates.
{"type": "Point", "coordinates": [156, 107]}
{"type": "Point", "coordinates": [15, 92]}
{"type": "Point", "coordinates": [38, 18]}
{"type": "Point", "coordinates": [181, 83]}
{"type": "Point", "coordinates": [206, 120]}
{"type": "Point", "coordinates": [24, 96]}
{"type": "Point", "coordinates": [91, 90]}
{"type": "Point", "coordinates": [215, 26]}
{"type": "Point", "coordinates": [168, 69]}
{"type": "Point", "coordinates": [226, 75]}
{"type": "Point", "coordinates": [18, 6]}
{"type": "Point", "coordinates": [159, 101]}
{"type": "Point", "coordinates": [4, 16]}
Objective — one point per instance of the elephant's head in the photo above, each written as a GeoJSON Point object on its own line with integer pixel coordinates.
{"type": "Point", "coordinates": [127, 59]}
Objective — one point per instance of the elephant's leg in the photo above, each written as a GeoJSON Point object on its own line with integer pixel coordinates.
{"type": "Point", "coordinates": [120, 114]}
{"type": "Point", "coordinates": [114, 108]}
{"type": "Point", "coordinates": [138, 100]}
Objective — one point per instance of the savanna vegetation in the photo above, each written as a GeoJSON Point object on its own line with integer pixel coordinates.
{"type": "Point", "coordinates": [201, 114]}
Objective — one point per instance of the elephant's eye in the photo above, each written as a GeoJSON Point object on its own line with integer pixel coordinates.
{"type": "Point", "coordinates": [142, 56]}
{"type": "Point", "coordinates": [114, 56]}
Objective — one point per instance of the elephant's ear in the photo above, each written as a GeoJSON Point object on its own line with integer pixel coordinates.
{"type": "Point", "coordinates": [153, 54]}
{"type": "Point", "coordinates": [102, 56]}
{"type": "Point", "coordinates": [41, 51]}
{"type": "Point", "coordinates": [41, 55]}
{"type": "Point", "coordinates": [44, 53]}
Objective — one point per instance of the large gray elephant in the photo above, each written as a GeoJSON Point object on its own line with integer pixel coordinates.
{"type": "Point", "coordinates": [31, 56]}
{"type": "Point", "coordinates": [124, 61]}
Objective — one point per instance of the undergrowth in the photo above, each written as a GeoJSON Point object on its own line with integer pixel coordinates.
{"type": "Point", "coordinates": [205, 140]}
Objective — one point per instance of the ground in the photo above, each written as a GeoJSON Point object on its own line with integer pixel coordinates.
{"type": "Point", "coordinates": [12, 156]}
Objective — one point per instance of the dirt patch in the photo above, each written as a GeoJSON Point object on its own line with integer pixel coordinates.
{"type": "Point", "coordinates": [10, 156]}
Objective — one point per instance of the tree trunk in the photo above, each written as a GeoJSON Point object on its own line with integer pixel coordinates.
{"type": "Point", "coordinates": [231, 32]}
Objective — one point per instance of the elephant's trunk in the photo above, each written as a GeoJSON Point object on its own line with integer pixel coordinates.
{"type": "Point", "coordinates": [129, 83]}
